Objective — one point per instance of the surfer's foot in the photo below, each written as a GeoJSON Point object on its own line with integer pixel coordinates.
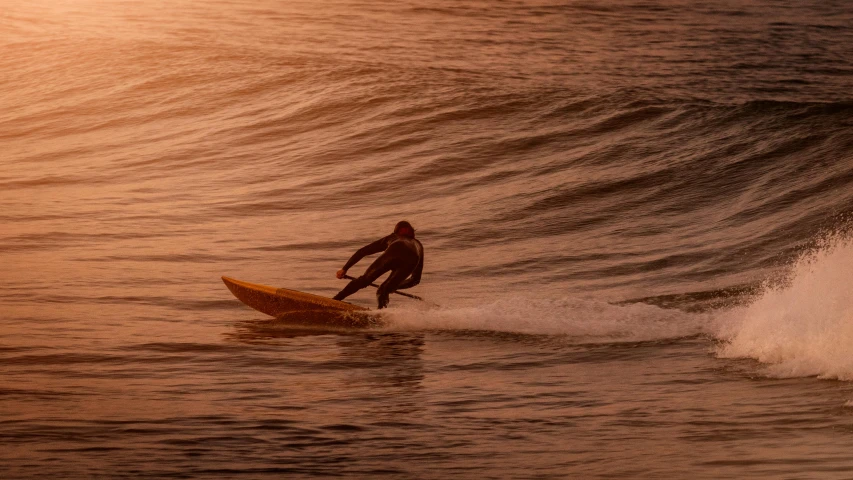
{"type": "Point", "coordinates": [382, 299]}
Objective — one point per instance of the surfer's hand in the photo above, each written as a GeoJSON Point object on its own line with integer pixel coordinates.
{"type": "Point", "coordinates": [341, 273]}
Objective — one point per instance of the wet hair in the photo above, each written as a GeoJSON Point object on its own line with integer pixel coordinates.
{"type": "Point", "coordinates": [405, 228]}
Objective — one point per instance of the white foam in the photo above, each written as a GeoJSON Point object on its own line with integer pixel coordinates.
{"type": "Point", "coordinates": [590, 320]}
{"type": "Point", "coordinates": [804, 328]}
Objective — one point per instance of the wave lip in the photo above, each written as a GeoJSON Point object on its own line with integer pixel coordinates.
{"type": "Point", "coordinates": [804, 327]}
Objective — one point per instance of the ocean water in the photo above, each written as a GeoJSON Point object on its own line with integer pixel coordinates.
{"type": "Point", "coordinates": [635, 216]}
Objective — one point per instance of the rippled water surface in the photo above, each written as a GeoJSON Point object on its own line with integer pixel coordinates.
{"type": "Point", "coordinates": [635, 219]}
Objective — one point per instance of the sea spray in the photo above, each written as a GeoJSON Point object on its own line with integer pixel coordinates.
{"type": "Point", "coordinates": [805, 326]}
{"type": "Point", "coordinates": [585, 320]}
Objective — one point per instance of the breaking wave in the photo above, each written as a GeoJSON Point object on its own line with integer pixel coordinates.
{"type": "Point", "coordinates": [803, 327]}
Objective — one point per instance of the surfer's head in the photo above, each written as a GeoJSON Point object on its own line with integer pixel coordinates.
{"type": "Point", "coordinates": [405, 229]}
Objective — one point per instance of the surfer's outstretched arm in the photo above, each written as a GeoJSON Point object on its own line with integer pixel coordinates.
{"type": "Point", "coordinates": [375, 247]}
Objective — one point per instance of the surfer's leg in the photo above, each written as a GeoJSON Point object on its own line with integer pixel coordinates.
{"type": "Point", "coordinates": [352, 287]}
{"type": "Point", "coordinates": [391, 283]}
{"type": "Point", "coordinates": [374, 271]}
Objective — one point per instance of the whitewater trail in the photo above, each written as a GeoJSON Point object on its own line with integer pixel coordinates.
{"type": "Point", "coordinates": [583, 320]}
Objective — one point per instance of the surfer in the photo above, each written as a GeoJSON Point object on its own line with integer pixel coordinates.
{"type": "Point", "coordinates": [402, 255]}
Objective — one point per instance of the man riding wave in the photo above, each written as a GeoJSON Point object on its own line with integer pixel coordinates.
{"type": "Point", "coordinates": [402, 255]}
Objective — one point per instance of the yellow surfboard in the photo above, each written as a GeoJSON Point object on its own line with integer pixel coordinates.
{"type": "Point", "coordinates": [300, 308]}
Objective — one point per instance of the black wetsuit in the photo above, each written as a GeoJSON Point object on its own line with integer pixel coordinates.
{"type": "Point", "coordinates": [403, 256]}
